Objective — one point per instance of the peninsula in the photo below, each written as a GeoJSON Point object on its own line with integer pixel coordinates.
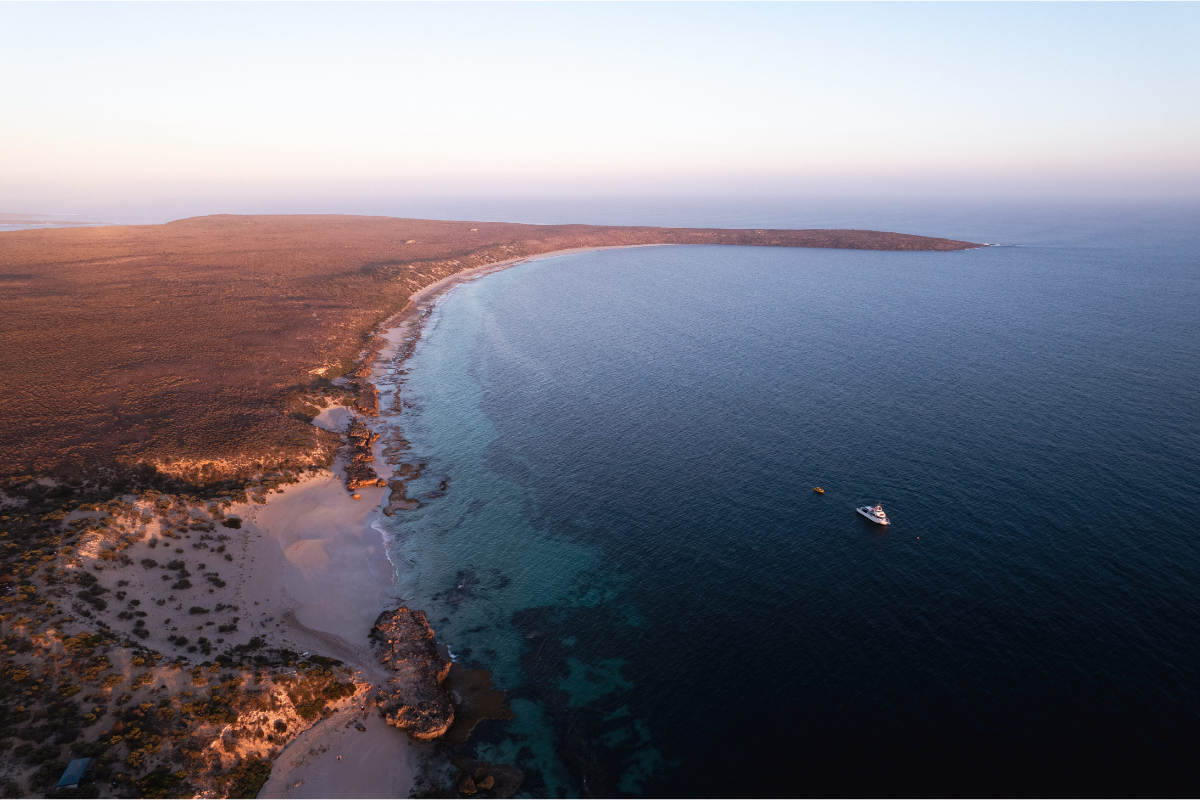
{"type": "Point", "coordinates": [192, 597]}
{"type": "Point", "coordinates": [190, 346]}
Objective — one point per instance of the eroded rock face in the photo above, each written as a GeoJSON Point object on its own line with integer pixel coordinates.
{"type": "Point", "coordinates": [359, 473]}
{"type": "Point", "coordinates": [368, 399]}
{"type": "Point", "coordinates": [415, 700]}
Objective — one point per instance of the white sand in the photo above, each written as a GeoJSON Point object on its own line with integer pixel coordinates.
{"type": "Point", "coordinates": [319, 566]}
{"type": "Point", "coordinates": [306, 571]}
{"type": "Point", "coordinates": [377, 763]}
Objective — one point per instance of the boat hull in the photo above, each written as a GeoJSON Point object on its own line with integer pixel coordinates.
{"type": "Point", "coordinates": [866, 512]}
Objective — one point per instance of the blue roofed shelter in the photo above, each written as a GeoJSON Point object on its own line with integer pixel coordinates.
{"type": "Point", "coordinates": [74, 773]}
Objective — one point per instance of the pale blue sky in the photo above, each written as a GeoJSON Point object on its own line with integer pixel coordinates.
{"type": "Point", "coordinates": [127, 103]}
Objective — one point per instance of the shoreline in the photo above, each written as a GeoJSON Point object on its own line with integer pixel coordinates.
{"type": "Point", "coordinates": [303, 570]}
{"type": "Point", "coordinates": [330, 568]}
{"type": "Point", "coordinates": [326, 563]}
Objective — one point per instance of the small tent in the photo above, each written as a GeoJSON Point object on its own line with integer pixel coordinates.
{"type": "Point", "coordinates": [74, 773]}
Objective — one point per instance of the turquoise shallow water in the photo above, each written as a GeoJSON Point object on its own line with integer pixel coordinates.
{"type": "Point", "coordinates": [631, 543]}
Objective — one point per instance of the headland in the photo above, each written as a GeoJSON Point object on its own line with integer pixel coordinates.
{"type": "Point", "coordinates": [201, 427]}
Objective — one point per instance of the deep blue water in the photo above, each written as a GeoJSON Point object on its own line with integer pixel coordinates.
{"type": "Point", "coordinates": [630, 540]}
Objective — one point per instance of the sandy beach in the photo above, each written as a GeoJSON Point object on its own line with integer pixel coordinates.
{"type": "Point", "coordinates": [300, 567]}
{"type": "Point", "coordinates": [318, 564]}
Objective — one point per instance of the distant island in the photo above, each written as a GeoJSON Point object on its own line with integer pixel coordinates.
{"type": "Point", "coordinates": [198, 400]}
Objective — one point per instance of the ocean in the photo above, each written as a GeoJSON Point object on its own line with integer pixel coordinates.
{"type": "Point", "coordinates": [631, 542]}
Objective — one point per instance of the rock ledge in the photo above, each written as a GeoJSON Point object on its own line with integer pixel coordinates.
{"type": "Point", "coordinates": [415, 700]}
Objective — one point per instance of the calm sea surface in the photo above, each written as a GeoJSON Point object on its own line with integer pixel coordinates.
{"type": "Point", "coordinates": [630, 539]}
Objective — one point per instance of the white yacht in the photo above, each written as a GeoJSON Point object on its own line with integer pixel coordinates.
{"type": "Point", "coordinates": [874, 514]}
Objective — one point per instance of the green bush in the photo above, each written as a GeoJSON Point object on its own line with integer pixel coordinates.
{"type": "Point", "coordinates": [311, 710]}
{"type": "Point", "coordinates": [41, 755]}
{"type": "Point", "coordinates": [162, 783]}
{"type": "Point", "coordinates": [90, 749]}
{"type": "Point", "coordinates": [47, 774]}
{"type": "Point", "coordinates": [248, 778]}
{"type": "Point", "coordinates": [81, 643]}
{"type": "Point", "coordinates": [336, 691]}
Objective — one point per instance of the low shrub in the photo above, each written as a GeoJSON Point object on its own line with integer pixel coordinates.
{"type": "Point", "coordinates": [248, 778]}
{"type": "Point", "coordinates": [47, 774]}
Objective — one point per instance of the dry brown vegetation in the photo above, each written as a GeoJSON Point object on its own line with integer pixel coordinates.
{"type": "Point", "coordinates": [79, 677]}
{"type": "Point", "coordinates": [195, 346]}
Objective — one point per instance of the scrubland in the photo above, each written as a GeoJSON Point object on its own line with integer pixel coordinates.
{"type": "Point", "coordinates": [124, 638]}
{"type": "Point", "coordinates": [202, 348]}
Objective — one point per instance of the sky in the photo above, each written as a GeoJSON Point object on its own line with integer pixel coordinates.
{"type": "Point", "coordinates": [322, 107]}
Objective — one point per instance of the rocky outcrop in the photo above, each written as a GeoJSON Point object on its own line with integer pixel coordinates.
{"type": "Point", "coordinates": [486, 779]}
{"type": "Point", "coordinates": [368, 398]}
{"type": "Point", "coordinates": [415, 700]}
{"type": "Point", "coordinates": [359, 471]}
{"type": "Point", "coordinates": [399, 501]}
{"type": "Point", "coordinates": [394, 446]}
{"type": "Point", "coordinates": [367, 361]}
